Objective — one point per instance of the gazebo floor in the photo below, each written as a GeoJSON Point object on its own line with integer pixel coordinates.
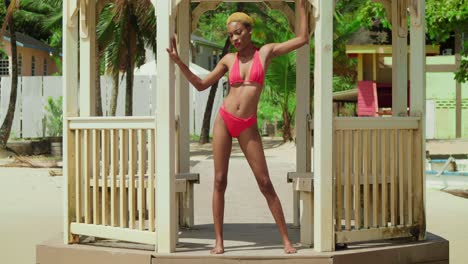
{"type": "Point", "coordinates": [244, 243]}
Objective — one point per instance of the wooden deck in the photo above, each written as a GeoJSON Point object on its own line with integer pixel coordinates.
{"type": "Point", "coordinates": [245, 243]}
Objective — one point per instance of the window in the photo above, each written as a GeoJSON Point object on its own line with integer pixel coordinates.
{"type": "Point", "coordinates": [4, 65]}
{"type": "Point", "coordinates": [33, 66]}
{"type": "Point", "coordinates": [45, 67]}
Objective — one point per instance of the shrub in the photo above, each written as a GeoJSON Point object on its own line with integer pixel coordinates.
{"type": "Point", "coordinates": [54, 116]}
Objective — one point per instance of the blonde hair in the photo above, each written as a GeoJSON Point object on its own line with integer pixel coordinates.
{"type": "Point", "coordinates": [240, 17]}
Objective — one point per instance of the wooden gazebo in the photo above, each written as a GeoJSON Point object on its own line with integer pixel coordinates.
{"type": "Point", "coordinates": [127, 177]}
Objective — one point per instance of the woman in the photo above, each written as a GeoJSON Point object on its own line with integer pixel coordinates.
{"type": "Point", "coordinates": [237, 116]}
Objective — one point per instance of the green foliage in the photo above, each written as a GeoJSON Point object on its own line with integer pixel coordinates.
{"type": "Point", "coordinates": [343, 83]}
{"type": "Point", "coordinates": [3, 53]}
{"type": "Point", "coordinates": [32, 14]}
{"type": "Point", "coordinates": [462, 75]}
{"type": "Point", "coordinates": [212, 24]}
{"type": "Point", "coordinates": [267, 111]}
{"type": "Point", "coordinates": [267, 23]}
{"type": "Point", "coordinates": [369, 14]}
{"type": "Point", "coordinates": [443, 17]}
{"type": "Point", "coordinates": [349, 109]}
{"type": "Point", "coordinates": [54, 116]}
{"type": "Point", "coordinates": [349, 17]}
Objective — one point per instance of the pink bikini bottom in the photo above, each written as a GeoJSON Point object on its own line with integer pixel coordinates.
{"type": "Point", "coordinates": [235, 125]}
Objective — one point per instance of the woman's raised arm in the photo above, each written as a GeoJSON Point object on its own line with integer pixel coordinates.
{"type": "Point", "coordinates": [302, 37]}
{"type": "Point", "coordinates": [200, 84]}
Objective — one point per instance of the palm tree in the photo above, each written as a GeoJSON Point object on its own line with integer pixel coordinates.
{"type": "Point", "coordinates": [125, 28]}
{"type": "Point", "coordinates": [281, 87]}
{"type": "Point", "coordinates": [9, 22]}
{"type": "Point", "coordinates": [50, 16]}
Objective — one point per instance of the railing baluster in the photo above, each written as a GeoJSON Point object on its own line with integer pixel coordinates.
{"type": "Point", "coordinates": [357, 175]}
{"type": "Point", "coordinates": [87, 178]}
{"type": "Point", "coordinates": [348, 194]}
{"type": "Point", "coordinates": [339, 175]}
{"type": "Point", "coordinates": [410, 176]}
{"type": "Point", "coordinates": [366, 163]}
{"type": "Point", "coordinates": [141, 177]}
{"type": "Point", "coordinates": [151, 178]}
{"type": "Point", "coordinates": [401, 175]}
{"type": "Point", "coordinates": [131, 178]}
{"type": "Point", "coordinates": [375, 185]}
{"type": "Point", "coordinates": [104, 177]}
{"type": "Point", "coordinates": [78, 176]}
{"type": "Point", "coordinates": [113, 172]}
{"type": "Point", "coordinates": [123, 135]}
{"type": "Point", "coordinates": [418, 182]}
{"type": "Point", "coordinates": [393, 173]}
{"type": "Point", "coordinates": [384, 164]}
{"type": "Point", "coordinates": [96, 168]}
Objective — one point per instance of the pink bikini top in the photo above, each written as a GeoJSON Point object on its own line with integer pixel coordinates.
{"type": "Point", "coordinates": [256, 75]}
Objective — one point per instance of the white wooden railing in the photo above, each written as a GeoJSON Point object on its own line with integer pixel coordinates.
{"type": "Point", "coordinates": [114, 176]}
{"type": "Point", "coordinates": [378, 178]}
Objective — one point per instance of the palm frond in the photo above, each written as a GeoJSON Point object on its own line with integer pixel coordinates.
{"type": "Point", "coordinates": [40, 7]}
{"type": "Point", "coordinates": [54, 21]}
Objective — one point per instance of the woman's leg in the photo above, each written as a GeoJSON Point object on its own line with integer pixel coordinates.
{"type": "Point", "coordinates": [222, 145]}
{"type": "Point", "coordinates": [251, 144]}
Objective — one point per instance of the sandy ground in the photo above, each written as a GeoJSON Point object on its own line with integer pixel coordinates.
{"type": "Point", "coordinates": [32, 202]}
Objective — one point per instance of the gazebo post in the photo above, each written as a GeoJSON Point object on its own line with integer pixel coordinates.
{"type": "Point", "coordinates": [186, 203]}
{"type": "Point", "coordinates": [70, 109]}
{"type": "Point", "coordinates": [399, 59]}
{"type": "Point", "coordinates": [305, 210]}
{"type": "Point", "coordinates": [87, 107]}
{"type": "Point", "coordinates": [323, 129]}
{"type": "Point", "coordinates": [87, 58]}
{"type": "Point", "coordinates": [418, 101]}
{"type": "Point", "coordinates": [165, 133]}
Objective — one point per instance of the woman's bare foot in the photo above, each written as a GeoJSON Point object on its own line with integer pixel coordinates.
{"type": "Point", "coordinates": [218, 249]}
{"type": "Point", "coordinates": [289, 249]}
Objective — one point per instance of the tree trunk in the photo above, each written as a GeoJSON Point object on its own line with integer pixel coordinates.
{"type": "Point", "coordinates": [205, 130]}
{"type": "Point", "coordinates": [129, 89]}
{"type": "Point", "coordinates": [286, 125]}
{"type": "Point", "coordinates": [8, 122]}
{"type": "Point", "coordinates": [115, 94]}
{"type": "Point", "coordinates": [129, 66]}
{"type": "Point", "coordinates": [129, 92]}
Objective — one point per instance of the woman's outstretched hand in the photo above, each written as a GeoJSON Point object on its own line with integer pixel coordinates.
{"type": "Point", "coordinates": [172, 50]}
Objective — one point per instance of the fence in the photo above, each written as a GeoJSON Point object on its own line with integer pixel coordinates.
{"type": "Point", "coordinates": [30, 115]}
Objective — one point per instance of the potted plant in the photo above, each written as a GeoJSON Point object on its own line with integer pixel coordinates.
{"type": "Point", "coordinates": [54, 124]}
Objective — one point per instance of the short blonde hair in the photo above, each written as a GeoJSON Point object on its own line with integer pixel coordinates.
{"type": "Point", "coordinates": [240, 17]}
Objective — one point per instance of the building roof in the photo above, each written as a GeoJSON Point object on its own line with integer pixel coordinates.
{"type": "Point", "coordinates": [149, 68]}
{"type": "Point", "coordinates": [202, 41]}
{"type": "Point", "coordinates": [385, 49]}
{"type": "Point", "coordinates": [346, 96]}
{"type": "Point", "coordinates": [23, 40]}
